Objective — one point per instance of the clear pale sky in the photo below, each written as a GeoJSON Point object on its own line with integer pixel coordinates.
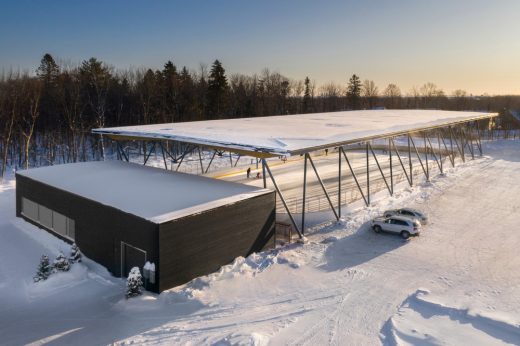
{"type": "Point", "coordinates": [471, 44]}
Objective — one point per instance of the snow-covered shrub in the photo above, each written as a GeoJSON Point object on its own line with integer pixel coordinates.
{"type": "Point", "coordinates": [134, 283]}
{"type": "Point", "coordinates": [75, 254]}
{"type": "Point", "coordinates": [44, 269]}
{"type": "Point", "coordinates": [61, 263]}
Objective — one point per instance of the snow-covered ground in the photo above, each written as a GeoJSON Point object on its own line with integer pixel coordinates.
{"type": "Point", "coordinates": [458, 283]}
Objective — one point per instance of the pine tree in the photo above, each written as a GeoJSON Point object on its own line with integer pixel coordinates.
{"type": "Point", "coordinates": [48, 70]}
{"type": "Point", "coordinates": [44, 269]}
{"type": "Point", "coordinates": [170, 90]}
{"type": "Point", "coordinates": [307, 96]}
{"type": "Point", "coordinates": [217, 90]}
{"type": "Point", "coordinates": [354, 92]}
{"type": "Point", "coordinates": [61, 264]}
{"type": "Point", "coordinates": [134, 283]}
{"type": "Point", "coordinates": [75, 254]}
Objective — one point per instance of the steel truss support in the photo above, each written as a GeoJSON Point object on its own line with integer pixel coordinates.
{"type": "Point", "coordinates": [391, 167]}
{"type": "Point", "coordinates": [426, 171]}
{"type": "Point", "coordinates": [200, 160]}
{"type": "Point", "coordinates": [121, 152]}
{"type": "Point", "coordinates": [440, 150]}
{"type": "Point", "coordinates": [479, 137]}
{"type": "Point", "coordinates": [368, 173]}
{"type": "Point", "coordinates": [163, 156]}
{"type": "Point", "coordinates": [149, 153]}
{"type": "Point", "coordinates": [390, 189]}
{"type": "Point", "coordinates": [342, 151]}
{"type": "Point", "coordinates": [430, 146]}
{"type": "Point", "coordinates": [266, 167]}
{"type": "Point", "coordinates": [236, 162]}
{"type": "Point", "coordinates": [308, 157]}
{"type": "Point", "coordinates": [339, 182]}
{"type": "Point", "coordinates": [408, 178]}
{"type": "Point", "coordinates": [210, 161]}
{"type": "Point", "coordinates": [451, 153]}
{"type": "Point", "coordinates": [460, 148]}
{"type": "Point", "coordinates": [468, 141]}
{"type": "Point", "coordinates": [410, 163]}
{"type": "Point", "coordinates": [188, 150]}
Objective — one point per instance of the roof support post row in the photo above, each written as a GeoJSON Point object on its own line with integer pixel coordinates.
{"type": "Point", "coordinates": [266, 167]}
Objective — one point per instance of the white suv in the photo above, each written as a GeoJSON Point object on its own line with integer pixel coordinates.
{"type": "Point", "coordinates": [397, 224]}
{"type": "Point", "coordinates": [409, 213]}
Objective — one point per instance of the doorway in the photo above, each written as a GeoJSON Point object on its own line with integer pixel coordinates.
{"type": "Point", "coordinates": [131, 256]}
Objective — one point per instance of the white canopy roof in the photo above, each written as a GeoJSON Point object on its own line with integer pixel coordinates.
{"type": "Point", "coordinates": [295, 134]}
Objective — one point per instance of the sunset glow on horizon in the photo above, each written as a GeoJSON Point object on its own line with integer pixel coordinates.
{"type": "Point", "coordinates": [469, 45]}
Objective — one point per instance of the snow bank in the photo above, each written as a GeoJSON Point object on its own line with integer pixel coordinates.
{"type": "Point", "coordinates": [420, 320]}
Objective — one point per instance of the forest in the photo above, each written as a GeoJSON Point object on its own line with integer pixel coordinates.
{"type": "Point", "coordinates": [46, 115]}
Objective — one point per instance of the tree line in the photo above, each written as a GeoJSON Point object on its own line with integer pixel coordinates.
{"type": "Point", "coordinates": [46, 116]}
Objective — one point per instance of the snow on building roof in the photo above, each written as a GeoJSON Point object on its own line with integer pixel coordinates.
{"type": "Point", "coordinates": [150, 193]}
{"type": "Point", "coordinates": [295, 134]}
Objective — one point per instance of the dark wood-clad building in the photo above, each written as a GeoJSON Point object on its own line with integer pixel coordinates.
{"type": "Point", "coordinates": [123, 215]}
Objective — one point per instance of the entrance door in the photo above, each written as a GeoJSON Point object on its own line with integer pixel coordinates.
{"type": "Point", "coordinates": [131, 256]}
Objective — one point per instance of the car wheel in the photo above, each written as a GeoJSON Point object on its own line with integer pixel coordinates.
{"type": "Point", "coordinates": [405, 234]}
{"type": "Point", "coordinates": [377, 228]}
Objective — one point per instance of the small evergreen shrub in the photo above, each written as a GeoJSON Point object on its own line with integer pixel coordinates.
{"type": "Point", "coordinates": [134, 283]}
{"type": "Point", "coordinates": [44, 269]}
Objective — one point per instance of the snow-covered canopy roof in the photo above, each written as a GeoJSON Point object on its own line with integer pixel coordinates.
{"type": "Point", "coordinates": [295, 134]}
{"type": "Point", "coordinates": [150, 193]}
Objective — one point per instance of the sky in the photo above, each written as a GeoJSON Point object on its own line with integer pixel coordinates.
{"type": "Point", "coordinates": [458, 44]}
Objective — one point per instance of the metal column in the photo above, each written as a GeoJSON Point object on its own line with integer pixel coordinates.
{"type": "Point", "coordinates": [264, 163]}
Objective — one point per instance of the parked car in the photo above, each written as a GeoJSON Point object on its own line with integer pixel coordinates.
{"type": "Point", "coordinates": [397, 224]}
{"type": "Point", "coordinates": [409, 213]}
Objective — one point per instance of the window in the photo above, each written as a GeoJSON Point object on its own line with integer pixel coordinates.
{"type": "Point", "coordinates": [29, 209]}
{"type": "Point", "coordinates": [399, 222]}
{"type": "Point", "coordinates": [49, 218]}
{"type": "Point", "coordinates": [45, 216]}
